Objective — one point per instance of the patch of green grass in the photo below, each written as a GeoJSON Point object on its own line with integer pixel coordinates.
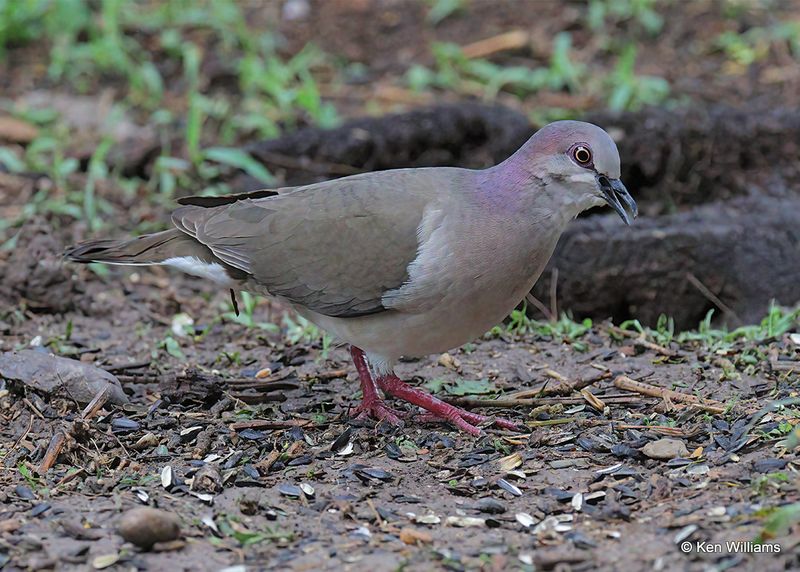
{"type": "Point", "coordinates": [754, 45]}
{"type": "Point", "coordinates": [246, 315]}
{"type": "Point", "coordinates": [148, 52]}
{"type": "Point", "coordinates": [779, 521]}
{"type": "Point", "coordinates": [628, 90]}
{"type": "Point", "coordinates": [229, 526]}
{"type": "Point", "coordinates": [441, 9]}
{"type": "Point", "coordinates": [300, 330]}
{"type": "Point", "coordinates": [455, 72]}
{"type": "Point", "coordinates": [605, 14]}
{"type": "Point", "coordinates": [564, 329]}
{"type": "Point", "coordinates": [777, 322]}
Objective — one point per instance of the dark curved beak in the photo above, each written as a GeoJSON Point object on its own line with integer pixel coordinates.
{"type": "Point", "coordinates": [615, 195]}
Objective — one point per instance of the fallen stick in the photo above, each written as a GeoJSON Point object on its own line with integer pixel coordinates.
{"type": "Point", "coordinates": [639, 339]}
{"type": "Point", "coordinates": [564, 387]}
{"type": "Point", "coordinates": [626, 383]}
{"type": "Point", "coordinates": [328, 375]}
{"type": "Point", "coordinates": [96, 404]}
{"type": "Point", "coordinates": [268, 424]}
{"type": "Point", "coordinates": [53, 451]}
{"type": "Point", "coordinates": [513, 40]}
{"type": "Point", "coordinates": [660, 429]}
{"type": "Point", "coordinates": [469, 402]}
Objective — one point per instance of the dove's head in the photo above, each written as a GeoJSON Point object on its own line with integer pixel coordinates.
{"type": "Point", "coordinates": [581, 161]}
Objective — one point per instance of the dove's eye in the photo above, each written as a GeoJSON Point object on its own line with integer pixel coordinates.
{"type": "Point", "coordinates": [582, 155]}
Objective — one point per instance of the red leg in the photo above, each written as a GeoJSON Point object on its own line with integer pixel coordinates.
{"type": "Point", "coordinates": [461, 418]}
{"type": "Point", "coordinates": [371, 403]}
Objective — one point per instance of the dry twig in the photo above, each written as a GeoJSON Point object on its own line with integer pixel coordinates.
{"type": "Point", "coordinates": [628, 384]}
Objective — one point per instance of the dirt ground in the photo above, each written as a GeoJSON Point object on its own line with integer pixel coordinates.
{"type": "Point", "coordinates": [575, 491]}
{"type": "Point", "coordinates": [241, 430]}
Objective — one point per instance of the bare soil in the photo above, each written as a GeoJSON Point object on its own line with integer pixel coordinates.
{"type": "Point", "coordinates": [376, 486]}
{"type": "Point", "coordinates": [223, 450]}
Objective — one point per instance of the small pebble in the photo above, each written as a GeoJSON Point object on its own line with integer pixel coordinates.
{"type": "Point", "coordinates": [665, 449]}
{"type": "Point", "coordinates": [146, 526]}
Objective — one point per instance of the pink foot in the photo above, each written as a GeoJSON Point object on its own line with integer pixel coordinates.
{"type": "Point", "coordinates": [371, 403]}
{"type": "Point", "coordinates": [439, 410]}
{"type": "Point", "coordinates": [377, 409]}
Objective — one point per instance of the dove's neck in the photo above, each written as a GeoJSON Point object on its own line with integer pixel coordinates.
{"type": "Point", "coordinates": [515, 186]}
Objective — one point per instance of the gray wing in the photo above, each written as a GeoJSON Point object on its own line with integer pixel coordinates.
{"type": "Point", "coordinates": [333, 247]}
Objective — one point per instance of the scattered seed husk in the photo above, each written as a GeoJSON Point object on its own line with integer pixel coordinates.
{"type": "Point", "coordinates": [342, 441]}
{"type": "Point", "coordinates": [122, 425]}
{"type": "Point", "coordinates": [525, 519]}
{"type": "Point", "coordinates": [698, 469]}
{"type": "Point", "coordinates": [685, 533]}
{"type": "Point", "coordinates": [252, 434]}
{"type": "Point", "coordinates": [145, 526]}
{"type": "Point", "coordinates": [289, 490]}
{"type": "Point", "coordinates": [142, 495]}
{"type": "Point", "coordinates": [595, 496]}
{"type": "Point", "coordinates": [555, 523]}
{"type": "Point", "coordinates": [145, 442]}
{"type": "Point", "coordinates": [208, 520]}
{"type": "Point", "coordinates": [104, 561]}
{"type": "Point", "coordinates": [190, 433]}
{"type": "Point", "coordinates": [347, 450]}
{"type": "Point", "coordinates": [489, 505]}
{"type": "Point", "coordinates": [769, 465]}
{"type": "Point", "coordinates": [510, 462]}
{"type": "Point", "coordinates": [559, 494]}
{"type": "Point", "coordinates": [167, 477]}
{"type": "Point", "coordinates": [375, 473]}
{"type": "Point", "coordinates": [39, 509]}
{"type": "Point", "coordinates": [300, 461]}
{"type": "Point", "coordinates": [24, 492]}
{"type": "Point", "coordinates": [427, 519]}
{"type": "Point", "coordinates": [204, 497]}
{"type": "Point", "coordinates": [465, 521]}
{"type": "Point", "coordinates": [517, 473]}
{"type": "Point", "coordinates": [609, 470]}
{"type": "Point", "coordinates": [509, 488]}
{"type": "Point", "coordinates": [580, 540]}
{"type": "Point", "coordinates": [307, 489]}
{"type": "Point", "coordinates": [577, 502]}
{"type": "Point", "coordinates": [717, 511]}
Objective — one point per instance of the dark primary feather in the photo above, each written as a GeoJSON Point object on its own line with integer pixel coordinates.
{"type": "Point", "coordinates": [334, 247]}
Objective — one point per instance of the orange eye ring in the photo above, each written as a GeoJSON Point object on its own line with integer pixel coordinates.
{"type": "Point", "coordinates": [582, 155]}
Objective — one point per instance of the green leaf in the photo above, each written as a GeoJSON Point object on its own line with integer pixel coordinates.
{"type": "Point", "coordinates": [471, 387]}
{"type": "Point", "coordinates": [173, 348]}
{"type": "Point", "coordinates": [780, 521]}
{"type": "Point", "coordinates": [435, 385]}
{"type": "Point", "coordinates": [241, 160]}
{"type": "Point", "coordinates": [441, 9]}
{"type": "Point", "coordinates": [10, 161]}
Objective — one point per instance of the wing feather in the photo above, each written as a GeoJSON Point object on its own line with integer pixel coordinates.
{"type": "Point", "coordinates": [335, 247]}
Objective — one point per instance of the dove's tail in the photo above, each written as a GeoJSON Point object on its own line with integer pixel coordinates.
{"type": "Point", "coordinates": [154, 248]}
{"type": "Point", "coordinates": [170, 248]}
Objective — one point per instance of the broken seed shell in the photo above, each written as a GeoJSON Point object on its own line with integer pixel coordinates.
{"type": "Point", "coordinates": [289, 490]}
{"type": "Point", "coordinates": [166, 477]}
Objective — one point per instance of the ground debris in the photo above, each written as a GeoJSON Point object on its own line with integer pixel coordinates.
{"type": "Point", "coordinates": [54, 375]}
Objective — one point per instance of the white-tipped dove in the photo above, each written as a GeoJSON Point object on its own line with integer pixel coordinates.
{"type": "Point", "coordinates": [407, 262]}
